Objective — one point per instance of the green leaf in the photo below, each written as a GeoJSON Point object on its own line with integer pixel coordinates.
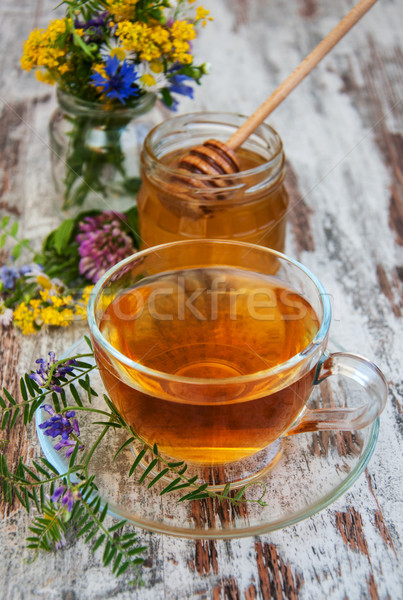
{"type": "Point", "coordinates": [49, 465]}
{"type": "Point", "coordinates": [56, 403]}
{"type": "Point", "coordinates": [117, 562]}
{"type": "Point", "coordinates": [148, 469]}
{"type": "Point", "coordinates": [23, 389]}
{"type": "Point", "coordinates": [75, 394]}
{"type": "Point", "coordinates": [73, 455]}
{"type": "Point", "coordinates": [109, 556]}
{"type": "Point", "coordinates": [123, 446]}
{"type": "Point", "coordinates": [91, 535]}
{"type": "Point", "coordinates": [117, 526]}
{"type": "Point", "coordinates": [137, 460]}
{"type": "Point", "coordinates": [158, 477]}
{"type": "Point", "coordinates": [226, 490]}
{"type": "Point", "coordinates": [98, 543]}
{"type": "Point", "coordinates": [62, 235]}
{"type": "Point", "coordinates": [170, 486]}
{"type": "Point", "coordinates": [5, 420]}
{"type": "Point", "coordinates": [14, 228]}
{"type": "Point", "coordinates": [15, 416]}
{"type": "Point", "coordinates": [28, 382]}
{"type": "Point", "coordinates": [103, 513]}
{"type": "Point", "coordinates": [123, 568]}
{"type": "Point", "coordinates": [174, 465]}
{"type": "Point", "coordinates": [240, 493]}
{"type": "Point", "coordinates": [85, 529]}
{"type": "Point", "coordinates": [9, 397]}
{"type": "Point", "coordinates": [5, 221]}
{"type": "Point", "coordinates": [87, 339]}
{"type": "Point", "coordinates": [16, 251]}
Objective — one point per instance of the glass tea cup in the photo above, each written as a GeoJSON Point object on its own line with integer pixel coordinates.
{"type": "Point", "coordinates": [211, 349]}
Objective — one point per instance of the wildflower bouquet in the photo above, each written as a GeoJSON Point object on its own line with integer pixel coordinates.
{"type": "Point", "coordinates": [52, 288]}
{"type": "Point", "coordinates": [110, 59]}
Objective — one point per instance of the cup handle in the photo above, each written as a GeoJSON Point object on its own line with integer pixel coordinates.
{"type": "Point", "coordinates": [363, 372]}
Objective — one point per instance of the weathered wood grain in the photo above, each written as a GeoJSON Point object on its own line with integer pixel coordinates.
{"type": "Point", "coordinates": [343, 136]}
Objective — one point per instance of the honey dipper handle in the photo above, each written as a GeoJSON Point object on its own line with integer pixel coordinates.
{"type": "Point", "coordinates": [299, 73]}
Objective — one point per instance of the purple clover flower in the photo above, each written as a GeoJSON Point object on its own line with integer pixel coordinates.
{"type": "Point", "coordinates": [67, 496]}
{"type": "Point", "coordinates": [102, 244]}
{"type": "Point", "coordinates": [61, 425]}
{"type": "Point", "coordinates": [118, 81]}
{"type": "Point", "coordinates": [41, 375]}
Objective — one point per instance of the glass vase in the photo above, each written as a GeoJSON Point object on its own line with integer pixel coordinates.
{"type": "Point", "coordinates": [95, 153]}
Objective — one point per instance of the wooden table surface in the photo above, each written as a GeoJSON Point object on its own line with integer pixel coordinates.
{"type": "Point", "coordinates": [343, 136]}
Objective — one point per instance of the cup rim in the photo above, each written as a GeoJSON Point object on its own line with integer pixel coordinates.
{"type": "Point", "coordinates": [195, 117]}
{"type": "Point", "coordinates": [303, 355]}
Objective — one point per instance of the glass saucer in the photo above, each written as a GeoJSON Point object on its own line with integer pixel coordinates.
{"type": "Point", "coordinates": [312, 471]}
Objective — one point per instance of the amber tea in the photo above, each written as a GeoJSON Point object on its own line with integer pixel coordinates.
{"type": "Point", "coordinates": [209, 328]}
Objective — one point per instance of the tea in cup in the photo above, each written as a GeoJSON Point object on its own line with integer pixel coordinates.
{"type": "Point", "coordinates": [211, 349]}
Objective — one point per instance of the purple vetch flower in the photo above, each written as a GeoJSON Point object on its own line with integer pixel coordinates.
{"type": "Point", "coordinates": [67, 496]}
{"type": "Point", "coordinates": [93, 28]}
{"type": "Point", "coordinates": [102, 243]}
{"type": "Point", "coordinates": [9, 276]}
{"type": "Point", "coordinates": [98, 20]}
{"type": "Point", "coordinates": [41, 375]}
{"type": "Point", "coordinates": [62, 426]}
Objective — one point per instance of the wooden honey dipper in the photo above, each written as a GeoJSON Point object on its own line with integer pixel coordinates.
{"type": "Point", "coordinates": [214, 157]}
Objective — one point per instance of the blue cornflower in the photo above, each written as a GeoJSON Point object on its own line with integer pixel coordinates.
{"type": "Point", "coordinates": [61, 425]}
{"type": "Point", "coordinates": [118, 81]}
{"type": "Point", "coordinates": [9, 276]}
{"type": "Point", "coordinates": [41, 375]}
{"type": "Point", "coordinates": [177, 86]}
{"type": "Point", "coordinates": [67, 496]}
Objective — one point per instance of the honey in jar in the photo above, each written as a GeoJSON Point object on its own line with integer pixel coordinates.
{"type": "Point", "coordinates": [248, 206]}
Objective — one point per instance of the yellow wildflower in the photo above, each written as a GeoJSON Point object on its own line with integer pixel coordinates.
{"type": "Point", "coordinates": [31, 50]}
{"type": "Point", "coordinates": [87, 293]}
{"type": "Point", "coordinates": [203, 15]}
{"type": "Point", "coordinates": [150, 42]}
{"type": "Point", "coordinates": [43, 49]}
{"type": "Point", "coordinates": [182, 32]}
{"type": "Point", "coordinates": [122, 9]}
{"type": "Point", "coordinates": [45, 77]}
{"type": "Point", "coordinates": [25, 317]}
{"type": "Point", "coordinates": [51, 316]}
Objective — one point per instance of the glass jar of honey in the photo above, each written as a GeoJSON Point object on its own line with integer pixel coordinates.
{"type": "Point", "coordinates": [248, 206]}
